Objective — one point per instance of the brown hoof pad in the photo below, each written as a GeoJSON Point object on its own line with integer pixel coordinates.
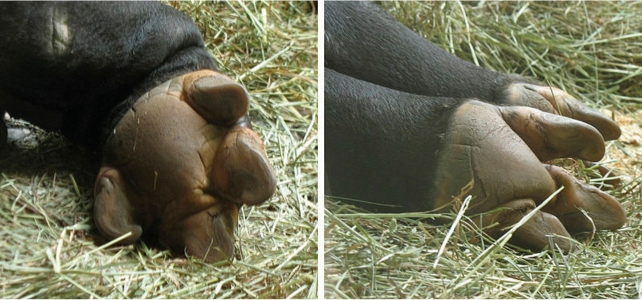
{"type": "Point", "coordinates": [208, 234]}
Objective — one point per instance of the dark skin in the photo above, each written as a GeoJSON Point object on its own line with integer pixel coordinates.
{"type": "Point", "coordinates": [75, 67]}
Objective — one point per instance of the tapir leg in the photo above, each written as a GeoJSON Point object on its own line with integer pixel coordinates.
{"type": "Point", "coordinates": [582, 207]}
{"type": "Point", "coordinates": [364, 42]}
{"type": "Point", "coordinates": [534, 234]}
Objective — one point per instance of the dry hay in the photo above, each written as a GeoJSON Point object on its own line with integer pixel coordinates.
{"type": "Point", "coordinates": [593, 50]}
{"type": "Point", "coordinates": [47, 232]}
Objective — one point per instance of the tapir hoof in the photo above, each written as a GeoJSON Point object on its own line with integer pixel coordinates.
{"type": "Point", "coordinates": [554, 100]}
{"type": "Point", "coordinates": [208, 234]}
{"type": "Point", "coordinates": [501, 149]}
{"type": "Point", "coordinates": [242, 171]}
{"type": "Point", "coordinates": [216, 97]}
{"type": "Point", "coordinates": [179, 163]}
{"type": "Point", "coordinates": [582, 207]}
{"type": "Point", "coordinates": [552, 136]}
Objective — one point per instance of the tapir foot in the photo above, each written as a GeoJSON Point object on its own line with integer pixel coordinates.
{"type": "Point", "coordinates": [582, 207]}
{"type": "Point", "coordinates": [179, 163]}
{"type": "Point", "coordinates": [552, 136]}
{"type": "Point", "coordinates": [241, 171]}
{"type": "Point", "coordinates": [501, 148]}
{"type": "Point", "coordinates": [537, 233]}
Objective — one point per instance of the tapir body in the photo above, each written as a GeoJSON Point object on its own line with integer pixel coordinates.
{"type": "Point", "coordinates": [409, 127]}
{"type": "Point", "coordinates": [134, 82]}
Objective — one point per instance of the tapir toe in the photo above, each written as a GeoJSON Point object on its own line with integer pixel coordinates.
{"type": "Point", "coordinates": [553, 100]}
{"type": "Point", "coordinates": [242, 172]}
{"type": "Point", "coordinates": [217, 98]}
{"type": "Point", "coordinates": [582, 207]}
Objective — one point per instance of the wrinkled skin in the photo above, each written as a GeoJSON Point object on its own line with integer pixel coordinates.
{"type": "Point", "coordinates": [503, 149]}
{"type": "Point", "coordinates": [180, 163]}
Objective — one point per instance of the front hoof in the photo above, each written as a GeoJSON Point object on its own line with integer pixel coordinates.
{"type": "Point", "coordinates": [500, 150]}
{"type": "Point", "coordinates": [540, 231]}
